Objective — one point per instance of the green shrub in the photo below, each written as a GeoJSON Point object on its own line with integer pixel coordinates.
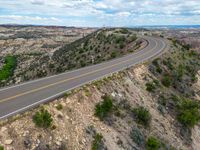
{"type": "Point", "coordinates": [151, 86]}
{"type": "Point", "coordinates": [124, 31]}
{"type": "Point", "coordinates": [179, 72]}
{"type": "Point", "coordinates": [102, 109]}
{"type": "Point", "coordinates": [1, 147]}
{"type": "Point", "coordinates": [166, 81]}
{"type": "Point", "coordinates": [188, 112]}
{"type": "Point", "coordinates": [121, 45]}
{"type": "Point", "coordinates": [42, 118]}
{"type": "Point", "coordinates": [82, 63]}
{"type": "Point", "coordinates": [137, 136]}
{"type": "Point", "coordinates": [152, 144]}
{"type": "Point", "coordinates": [155, 62]}
{"type": "Point", "coordinates": [187, 46]}
{"type": "Point", "coordinates": [193, 53]}
{"type": "Point", "coordinates": [59, 107]}
{"type": "Point", "coordinates": [142, 116]}
{"type": "Point", "coordinates": [168, 62]}
{"type": "Point", "coordinates": [67, 94]}
{"type": "Point", "coordinates": [97, 142]}
{"type": "Point", "coordinates": [113, 55]}
{"type": "Point", "coordinates": [8, 68]}
{"type": "Point", "coordinates": [159, 70]}
{"type": "Point", "coordinates": [133, 37]}
{"type": "Point", "coordinates": [120, 39]}
{"type": "Point", "coordinates": [162, 100]}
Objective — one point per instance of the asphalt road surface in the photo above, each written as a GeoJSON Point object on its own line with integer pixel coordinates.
{"type": "Point", "coordinates": [18, 98]}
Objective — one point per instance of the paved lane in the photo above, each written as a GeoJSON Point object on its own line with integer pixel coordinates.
{"type": "Point", "coordinates": [24, 96]}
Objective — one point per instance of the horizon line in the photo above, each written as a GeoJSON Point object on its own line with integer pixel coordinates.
{"type": "Point", "coordinates": [73, 26]}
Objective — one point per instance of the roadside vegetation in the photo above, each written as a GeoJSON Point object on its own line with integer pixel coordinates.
{"type": "Point", "coordinates": [143, 116]}
{"type": "Point", "coordinates": [110, 109]}
{"type": "Point", "coordinates": [188, 112]}
{"type": "Point", "coordinates": [176, 71]}
{"type": "Point", "coordinates": [174, 74]}
{"type": "Point", "coordinates": [8, 67]}
{"type": "Point", "coordinates": [43, 118]}
{"type": "Point", "coordinates": [59, 107]}
{"type": "Point", "coordinates": [152, 86]}
{"type": "Point", "coordinates": [166, 81]}
{"type": "Point", "coordinates": [103, 109]}
{"type": "Point", "coordinates": [149, 142]}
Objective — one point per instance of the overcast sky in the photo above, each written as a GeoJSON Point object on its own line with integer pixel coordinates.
{"type": "Point", "coordinates": [100, 12]}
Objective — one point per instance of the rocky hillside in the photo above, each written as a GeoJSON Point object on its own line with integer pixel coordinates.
{"type": "Point", "coordinates": [93, 48]}
{"type": "Point", "coordinates": [97, 47]}
{"type": "Point", "coordinates": [153, 106]}
{"type": "Point", "coordinates": [26, 44]}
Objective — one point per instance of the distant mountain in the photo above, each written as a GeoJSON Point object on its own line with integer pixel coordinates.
{"type": "Point", "coordinates": [171, 27]}
{"type": "Point", "coordinates": [30, 25]}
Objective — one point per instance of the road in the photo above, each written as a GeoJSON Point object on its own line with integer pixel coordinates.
{"type": "Point", "coordinates": [18, 98]}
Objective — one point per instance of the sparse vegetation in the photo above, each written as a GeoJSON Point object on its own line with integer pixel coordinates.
{"type": "Point", "coordinates": [43, 118]}
{"type": "Point", "coordinates": [166, 81]}
{"type": "Point", "coordinates": [113, 55]}
{"type": "Point", "coordinates": [87, 92]}
{"type": "Point", "coordinates": [97, 142]}
{"type": "Point", "coordinates": [152, 86]}
{"type": "Point", "coordinates": [67, 94]}
{"type": "Point", "coordinates": [188, 112]}
{"type": "Point", "coordinates": [59, 107]}
{"type": "Point", "coordinates": [156, 64]}
{"type": "Point", "coordinates": [97, 47]}
{"type": "Point", "coordinates": [142, 116]}
{"type": "Point", "coordinates": [179, 70]}
{"type": "Point", "coordinates": [124, 31]}
{"type": "Point", "coordinates": [104, 108]}
{"type": "Point", "coordinates": [137, 136]}
{"type": "Point", "coordinates": [153, 143]}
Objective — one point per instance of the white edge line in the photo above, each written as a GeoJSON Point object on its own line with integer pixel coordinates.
{"type": "Point", "coordinates": [61, 93]}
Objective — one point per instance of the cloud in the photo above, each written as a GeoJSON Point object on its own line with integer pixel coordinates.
{"type": "Point", "coordinates": [108, 12]}
{"type": "Point", "coordinates": [15, 19]}
{"type": "Point", "coordinates": [123, 14]}
{"type": "Point", "coordinates": [37, 2]}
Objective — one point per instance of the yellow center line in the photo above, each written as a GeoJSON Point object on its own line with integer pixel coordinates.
{"type": "Point", "coordinates": [62, 81]}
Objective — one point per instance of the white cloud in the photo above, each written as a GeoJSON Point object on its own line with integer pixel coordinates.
{"type": "Point", "coordinates": [28, 20]}
{"type": "Point", "coordinates": [37, 2]}
{"type": "Point", "coordinates": [17, 17]}
{"type": "Point", "coordinates": [105, 11]}
{"type": "Point", "coordinates": [123, 14]}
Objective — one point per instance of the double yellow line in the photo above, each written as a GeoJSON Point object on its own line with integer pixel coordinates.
{"type": "Point", "coordinates": [66, 80]}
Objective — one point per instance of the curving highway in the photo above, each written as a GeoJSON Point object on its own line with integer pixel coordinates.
{"type": "Point", "coordinates": [16, 99]}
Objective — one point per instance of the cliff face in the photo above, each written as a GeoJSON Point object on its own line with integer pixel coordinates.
{"type": "Point", "coordinates": [76, 127]}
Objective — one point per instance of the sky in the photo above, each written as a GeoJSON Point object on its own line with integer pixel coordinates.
{"type": "Point", "coordinates": [98, 13]}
